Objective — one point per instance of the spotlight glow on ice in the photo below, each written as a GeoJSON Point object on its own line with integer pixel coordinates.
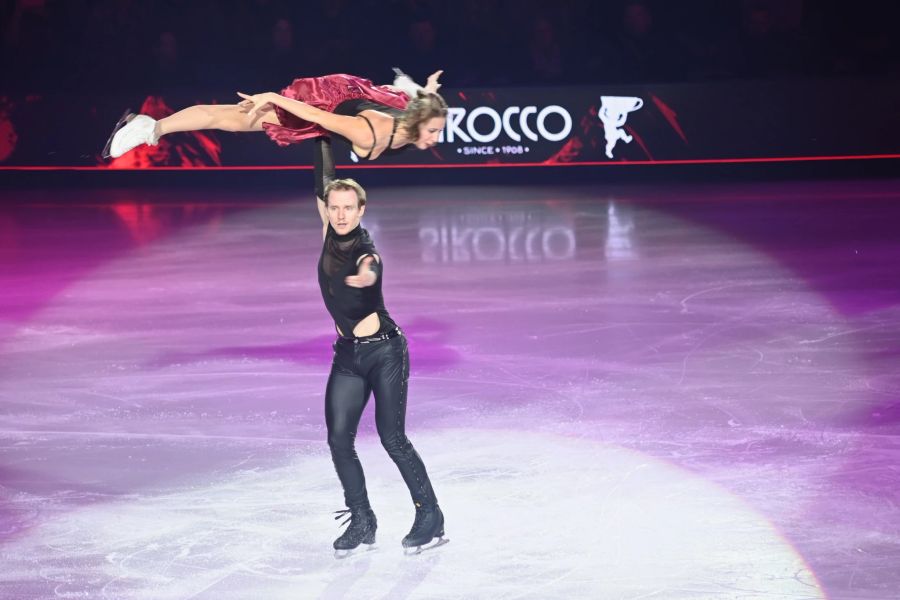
{"type": "Point", "coordinates": [528, 516]}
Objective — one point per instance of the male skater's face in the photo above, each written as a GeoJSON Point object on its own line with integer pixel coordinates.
{"type": "Point", "coordinates": [344, 211]}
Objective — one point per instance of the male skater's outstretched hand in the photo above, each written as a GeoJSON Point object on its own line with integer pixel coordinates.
{"type": "Point", "coordinates": [365, 276]}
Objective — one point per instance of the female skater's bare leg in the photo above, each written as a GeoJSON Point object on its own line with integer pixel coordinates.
{"type": "Point", "coordinates": [226, 117]}
{"type": "Point", "coordinates": [141, 129]}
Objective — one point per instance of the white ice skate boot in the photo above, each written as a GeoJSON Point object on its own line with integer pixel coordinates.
{"type": "Point", "coordinates": [130, 133]}
{"type": "Point", "coordinates": [405, 83]}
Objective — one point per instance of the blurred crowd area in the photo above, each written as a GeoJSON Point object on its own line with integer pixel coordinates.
{"type": "Point", "coordinates": [154, 46]}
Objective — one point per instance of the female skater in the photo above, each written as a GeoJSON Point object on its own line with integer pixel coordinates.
{"type": "Point", "coordinates": [373, 119]}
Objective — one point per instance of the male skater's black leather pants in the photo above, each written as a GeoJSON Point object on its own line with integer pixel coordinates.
{"type": "Point", "coordinates": [382, 368]}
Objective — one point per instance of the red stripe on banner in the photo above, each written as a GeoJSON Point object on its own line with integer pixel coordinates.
{"type": "Point", "coordinates": [698, 161]}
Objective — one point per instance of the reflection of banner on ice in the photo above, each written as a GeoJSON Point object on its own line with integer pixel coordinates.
{"type": "Point", "coordinates": [613, 113]}
{"type": "Point", "coordinates": [467, 234]}
{"type": "Point", "coordinates": [539, 232]}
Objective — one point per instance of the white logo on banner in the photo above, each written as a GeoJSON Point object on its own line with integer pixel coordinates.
{"type": "Point", "coordinates": [513, 122]}
{"type": "Point", "coordinates": [613, 112]}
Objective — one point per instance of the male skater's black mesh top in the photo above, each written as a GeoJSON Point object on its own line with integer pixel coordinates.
{"type": "Point", "coordinates": [341, 256]}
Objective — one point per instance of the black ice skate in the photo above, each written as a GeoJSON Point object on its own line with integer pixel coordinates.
{"type": "Point", "coordinates": [361, 530]}
{"type": "Point", "coordinates": [427, 531]}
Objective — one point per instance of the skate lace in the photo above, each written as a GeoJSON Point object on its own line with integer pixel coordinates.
{"type": "Point", "coordinates": [343, 513]}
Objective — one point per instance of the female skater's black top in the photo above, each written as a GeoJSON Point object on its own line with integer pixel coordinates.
{"type": "Point", "coordinates": [353, 108]}
{"type": "Point", "coordinates": [323, 160]}
{"type": "Point", "coordinates": [341, 256]}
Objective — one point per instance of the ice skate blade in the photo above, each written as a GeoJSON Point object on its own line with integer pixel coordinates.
{"type": "Point", "coordinates": [361, 549]}
{"type": "Point", "coordinates": [124, 120]}
{"type": "Point", "coordinates": [435, 543]}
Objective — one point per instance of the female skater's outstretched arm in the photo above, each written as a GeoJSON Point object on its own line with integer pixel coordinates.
{"type": "Point", "coordinates": [259, 106]}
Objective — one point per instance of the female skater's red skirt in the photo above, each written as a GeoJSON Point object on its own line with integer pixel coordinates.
{"type": "Point", "coordinates": [325, 93]}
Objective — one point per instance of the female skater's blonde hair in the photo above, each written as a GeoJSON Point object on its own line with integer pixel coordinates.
{"type": "Point", "coordinates": [425, 106]}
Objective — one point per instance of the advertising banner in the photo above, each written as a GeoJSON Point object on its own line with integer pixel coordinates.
{"type": "Point", "coordinates": [589, 125]}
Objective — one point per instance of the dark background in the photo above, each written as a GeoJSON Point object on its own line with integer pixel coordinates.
{"type": "Point", "coordinates": [156, 46]}
{"type": "Point", "coordinates": [748, 78]}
